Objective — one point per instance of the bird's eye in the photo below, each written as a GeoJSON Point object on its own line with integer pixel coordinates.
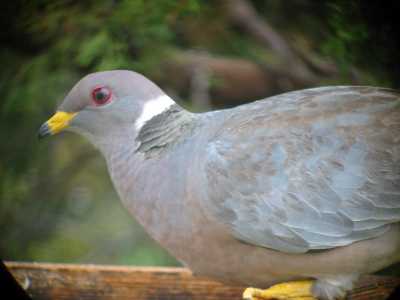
{"type": "Point", "coordinates": [101, 95]}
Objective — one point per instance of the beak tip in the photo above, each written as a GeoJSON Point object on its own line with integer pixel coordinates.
{"type": "Point", "coordinates": [44, 131]}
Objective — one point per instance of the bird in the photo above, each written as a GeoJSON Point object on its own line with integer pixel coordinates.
{"type": "Point", "coordinates": [296, 195]}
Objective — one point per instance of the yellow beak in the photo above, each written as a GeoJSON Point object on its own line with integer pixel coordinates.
{"type": "Point", "coordinates": [56, 123]}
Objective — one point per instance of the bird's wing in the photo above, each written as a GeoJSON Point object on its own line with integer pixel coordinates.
{"type": "Point", "coordinates": [309, 170]}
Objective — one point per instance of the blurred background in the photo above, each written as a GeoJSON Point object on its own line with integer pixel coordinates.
{"type": "Point", "coordinates": [57, 203]}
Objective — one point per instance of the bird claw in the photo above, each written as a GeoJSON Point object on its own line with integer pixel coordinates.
{"type": "Point", "coordinates": [296, 290]}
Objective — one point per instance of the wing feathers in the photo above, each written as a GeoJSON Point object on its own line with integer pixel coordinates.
{"type": "Point", "coordinates": [322, 174]}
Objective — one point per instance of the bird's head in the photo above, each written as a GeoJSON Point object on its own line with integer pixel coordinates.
{"type": "Point", "coordinates": [102, 105]}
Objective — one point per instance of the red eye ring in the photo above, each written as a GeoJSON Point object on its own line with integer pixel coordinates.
{"type": "Point", "coordinates": [101, 95]}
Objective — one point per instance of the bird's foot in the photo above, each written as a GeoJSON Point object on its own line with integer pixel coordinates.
{"type": "Point", "coordinates": [295, 290]}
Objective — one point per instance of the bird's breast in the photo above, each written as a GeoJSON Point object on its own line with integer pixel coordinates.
{"type": "Point", "coordinates": [154, 192]}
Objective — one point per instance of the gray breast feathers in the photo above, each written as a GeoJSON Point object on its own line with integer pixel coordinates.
{"type": "Point", "coordinates": [308, 170]}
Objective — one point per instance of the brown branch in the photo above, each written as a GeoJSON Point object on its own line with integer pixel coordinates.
{"type": "Point", "coordinates": [243, 14]}
{"type": "Point", "coordinates": [301, 64]}
{"type": "Point", "coordinates": [66, 281]}
{"type": "Point", "coordinates": [231, 80]}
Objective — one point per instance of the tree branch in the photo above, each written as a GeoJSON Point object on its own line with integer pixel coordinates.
{"type": "Point", "coordinates": [300, 64]}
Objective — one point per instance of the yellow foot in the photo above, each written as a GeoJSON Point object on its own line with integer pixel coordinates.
{"type": "Point", "coordinates": [295, 290]}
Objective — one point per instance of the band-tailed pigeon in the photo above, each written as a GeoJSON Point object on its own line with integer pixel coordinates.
{"type": "Point", "coordinates": [302, 187]}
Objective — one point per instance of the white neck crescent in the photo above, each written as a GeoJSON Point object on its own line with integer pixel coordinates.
{"type": "Point", "coordinates": [153, 108]}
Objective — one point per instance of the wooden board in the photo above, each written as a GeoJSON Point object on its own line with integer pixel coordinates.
{"type": "Point", "coordinates": [97, 282]}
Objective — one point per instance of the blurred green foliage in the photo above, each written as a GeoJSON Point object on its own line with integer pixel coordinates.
{"type": "Point", "coordinates": [56, 200]}
{"type": "Point", "coordinates": [365, 34]}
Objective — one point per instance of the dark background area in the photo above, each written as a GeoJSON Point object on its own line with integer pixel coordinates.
{"type": "Point", "coordinates": [56, 200]}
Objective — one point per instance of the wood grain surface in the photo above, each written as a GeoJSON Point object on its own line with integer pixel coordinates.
{"type": "Point", "coordinates": [69, 281]}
